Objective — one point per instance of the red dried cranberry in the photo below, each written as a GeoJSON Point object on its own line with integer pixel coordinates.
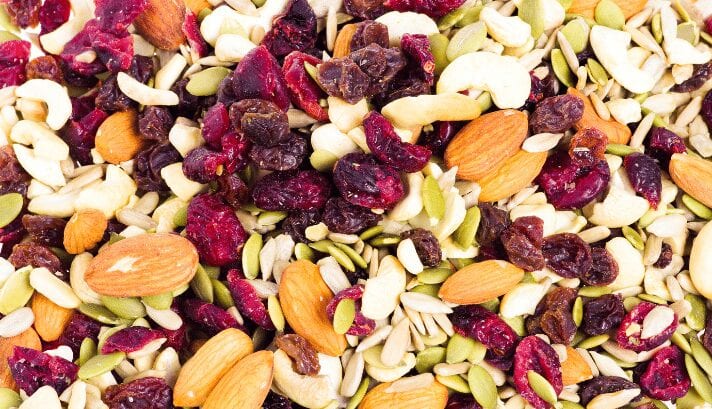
{"type": "Point", "coordinates": [645, 176]}
{"type": "Point", "coordinates": [113, 50]}
{"type": "Point", "coordinates": [261, 121]}
{"type": "Point", "coordinates": [53, 14]}
{"type": "Point", "coordinates": [342, 78]}
{"type": "Point", "coordinates": [706, 111]}
{"type": "Point", "coordinates": [569, 186]}
{"type": "Point", "coordinates": [236, 148]}
{"type": "Point", "coordinates": [440, 137]}
{"type": "Point", "coordinates": [155, 122]}
{"type": "Point", "coordinates": [604, 268]}
{"type": "Point", "coordinates": [35, 255]}
{"type": "Point", "coordinates": [666, 377]}
{"type": "Point", "coordinates": [191, 30]}
{"type": "Point", "coordinates": [462, 401]}
{"type": "Point", "coordinates": [14, 56]}
{"type": "Point", "coordinates": [629, 338]}
{"type": "Point", "coordinates": [556, 114]}
{"type": "Point", "coordinates": [287, 155]}
{"type": "Point", "coordinates": [142, 393]}
{"type": "Point", "coordinates": [79, 327]}
{"type": "Point", "coordinates": [210, 318]}
{"type": "Point", "coordinates": [366, 9]}
{"type": "Point", "coordinates": [433, 8]}
{"type": "Point", "coordinates": [604, 384]}
{"type": "Point", "coordinates": [129, 339]}
{"type": "Point", "coordinates": [301, 351]}
{"type": "Point", "coordinates": [149, 163]}
{"type": "Point", "coordinates": [203, 165]}
{"type": "Point", "coordinates": [708, 25]}
{"type": "Point", "coordinates": [44, 67]}
{"type": "Point", "coordinates": [523, 240]}
{"type": "Point", "coordinates": [341, 216]}
{"type": "Point", "coordinates": [388, 147]}
{"type": "Point", "coordinates": [533, 354]}
{"type": "Point", "coordinates": [417, 48]}
{"type": "Point", "coordinates": [363, 182]}
{"type": "Point", "coordinates": [483, 325]}
{"type": "Point", "coordinates": [664, 143]}
{"type": "Point", "coordinates": [361, 326]}
{"type": "Point", "coordinates": [295, 30]}
{"type": "Point", "coordinates": [46, 230]}
{"type": "Point", "coordinates": [493, 222]}
{"type": "Point", "coordinates": [303, 91]}
{"type": "Point", "coordinates": [665, 257]}
{"type": "Point", "coordinates": [536, 94]}
{"type": "Point", "coordinates": [115, 16]}
{"type": "Point", "coordinates": [567, 254]}
{"type": "Point", "coordinates": [292, 190]}
{"type": "Point", "coordinates": [247, 301]}
{"type": "Point", "coordinates": [426, 244]}
{"type": "Point", "coordinates": [259, 76]}
{"type": "Point", "coordinates": [215, 230]}
{"type": "Point", "coordinates": [80, 135]}
{"type": "Point", "coordinates": [216, 123]}
{"type": "Point", "coordinates": [701, 74]}
{"type": "Point", "coordinates": [588, 147]}
{"type": "Point", "coordinates": [296, 222]}
{"type": "Point", "coordinates": [369, 32]}
{"type": "Point", "coordinates": [380, 65]}
{"type": "Point", "coordinates": [602, 314]}
{"type": "Point", "coordinates": [33, 369]}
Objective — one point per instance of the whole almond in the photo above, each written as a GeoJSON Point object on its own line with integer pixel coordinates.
{"type": "Point", "coordinates": [693, 175]}
{"type": "Point", "coordinates": [118, 138]}
{"type": "Point", "coordinates": [586, 7]}
{"type": "Point", "coordinates": [614, 130]}
{"type": "Point", "coordinates": [304, 297]}
{"type": "Point", "coordinates": [27, 339]}
{"type": "Point", "coordinates": [143, 265]}
{"type": "Point", "coordinates": [480, 282]}
{"type": "Point", "coordinates": [50, 318]}
{"type": "Point", "coordinates": [246, 385]}
{"type": "Point", "coordinates": [486, 142]}
{"type": "Point", "coordinates": [84, 230]}
{"type": "Point", "coordinates": [211, 362]}
{"type": "Point", "coordinates": [161, 23]}
{"type": "Point", "coordinates": [574, 369]}
{"type": "Point", "coordinates": [431, 397]}
{"type": "Point", "coordinates": [342, 46]}
{"type": "Point", "coordinates": [513, 175]}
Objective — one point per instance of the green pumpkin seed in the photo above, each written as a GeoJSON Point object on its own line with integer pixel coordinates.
{"type": "Point", "coordinates": [517, 324]}
{"type": "Point", "coordinates": [271, 217]}
{"type": "Point", "coordinates": [232, 26]}
{"type": "Point", "coordinates": [312, 71]}
{"type": "Point", "coordinates": [678, 339]}
{"type": "Point", "coordinates": [468, 39]}
{"type": "Point", "coordinates": [608, 13]}
{"type": "Point", "coordinates": [259, 3]}
{"type": "Point", "coordinates": [303, 252]}
{"type": "Point", "coordinates": [434, 275]}
{"type": "Point", "coordinates": [450, 19]}
{"type": "Point", "coordinates": [16, 291]}
{"type": "Point", "coordinates": [465, 234]}
{"type": "Point", "coordinates": [699, 380]}
{"type": "Point", "coordinates": [438, 339]}
{"type": "Point", "coordinates": [433, 200]}
{"type": "Point", "coordinates": [542, 387]}
{"type": "Point", "coordinates": [596, 72]}
{"type": "Point", "coordinates": [223, 298]}
{"type": "Point", "coordinates": [371, 233]}
{"type": "Point", "coordinates": [180, 218]}
{"type": "Point", "coordinates": [478, 353]}
{"type": "Point", "coordinates": [631, 302]}
{"type": "Point", "coordinates": [100, 364]}
{"type": "Point", "coordinates": [656, 26]}
{"type": "Point", "coordinates": [322, 160]}
{"type": "Point", "coordinates": [341, 258]}
{"type": "Point", "coordinates": [9, 398]}
{"type": "Point", "coordinates": [532, 11]}
{"type": "Point", "coordinates": [691, 400]}
{"type": "Point", "coordinates": [689, 31]}
{"type": "Point", "coordinates": [633, 237]}
{"type": "Point", "coordinates": [86, 350]}
{"type": "Point", "coordinates": [322, 246]}
{"type": "Point", "coordinates": [570, 405]}
{"type": "Point", "coordinates": [619, 149]}
{"type": "Point", "coordinates": [251, 256]}
{"type": "Point", "coordinates": [344, 315]}
{"type": "Point", "coordinates": [576, 33]}
{"type": "Point", "coordinates": [372, 356]}
{"type": "Point", "coordinates": [593, 342]}
{"type": "Point", "coordinates": [428, 358]}
{"type": "Point", "coordinates": [471, 15]}
{"type": "Point", "coordinates": [460, 263]}
{"type": "Point", "coordinates": [204, 13]}
{"type": "Point", "coordinates": [129, 308]}
{"type": "Point", "coordinates": [160, 301]}
{"type": "Point", "coordinates": [698, 316]}
{"type": "Point", "coordinates": [10, 207]}
{"type": "Point", "coordinates": [577, 311]}
{"type": "Point", "coordinates": [202, 285]}
{"type": "Point", "coordinates": [701, 355]}
{"type": "Point", "coordinates": [593, 291]}
{"type": "Point", "coordinates": [212, 271]}
{"type": "Point", "coordinates": [459, 348]}
{"type": "Point", "coordinates": [360, 393]}
{"type": "Point", "coordinates": [561, 68]}
{"type": "Point", "coordinates": [275, 312]}
{"type": "Point", "coordinates": [454, 382]}
{"type": "Point", "coordinates": [696, 207]}
{"type": "Point", "coordinates": [653, 299]}
{"type": "Point", "coordinates": [482, 387]}
{"type": "Point", "coordinates": [384, 240]}
{"type": "Point", "coordinates": [491, 305]}
{"type": "Point", "coordinates": [681, 11]}
{"type": "Point", "coordinates": [100, 313]}
{"type": "Point", "coordinates": [427, 289]}
{"type": "Point", "coordinates": [353, 255]}
{"type": "Point", "coordinates": [206, 82]}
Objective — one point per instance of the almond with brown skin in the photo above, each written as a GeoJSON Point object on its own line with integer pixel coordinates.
{"type": "Point", "coordinates": [27, 339]}
{"type": "Point", "coordinates": [118, 139]}
{"type": "Point", "coordinates": [614, 130]}
{"type": "Point", "coordinates": [84, 230]}
{"type": "Point", "coordinates": [246, 385]}
{"type": "Point", "coordinates": [574, 369]}
{"type": "Point", "coordinates": [50, 318]}
{"type": "Point", "coordinates": [513, 175]}
{"type": "Point", "coordinates": [431, 397]}
{"type": "Point", "coordinates": [342, 46]}
{"type": "Point", "coordinates": [304, 297]}
{"type": "Point", "coordinates": [161, 23]}
{"type": "Point", "coordinates": [693, 175]}
{"type": "Point", "coordinates": [480, 282]}
{"type": "Point", "coordinates": [143, 265]}
{"type": "Point", "coordinates": [486, 142]}
{"type": "Point", "coordinates": [586, 8]}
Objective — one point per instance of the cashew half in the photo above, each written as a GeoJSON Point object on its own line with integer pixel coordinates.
{"type": "Point", "coordinates": [59, 106]}
{"type": "Point", "coordinates": [381, 293]}
{"type": "Point", "coordinates": [611, 48]}
{"type": "Point", "coordinates": [701, 261]}
{"type": "Point", "coordinates": [45, 143]}
{"type": "Point", "coordinates": [46, 171]}
{"type": "Point", "coordinates": [425, 109]}
{"type": "Point", "coordinates": [621, 207]}
{"type": "Point", "coordinates": [143, 94]}
{"type": "Point", "coordinates": [313, 392]}
{"type": "Point", "coordinates": [399, 23]}
{"type": "Point", "coordinates": [109, 195]}
{"type": "Point", "coordinates": [509, 31]}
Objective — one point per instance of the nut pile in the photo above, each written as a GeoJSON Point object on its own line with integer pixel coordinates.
{"type": "Point", "coordinates": [481, 204]}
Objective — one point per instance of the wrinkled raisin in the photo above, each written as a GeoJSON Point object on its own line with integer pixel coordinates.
{"type": "Point", "coordinates": [364, 182]}
{"type": "Point", "coordinates": [261, 121]}
{"type": "Point", "coordinates": [558, 324]}
{"type": "Point", "coordinates": [148, 165]}
{"type": "Point", "coordinates": [700, 74]}
{"type": "Point", "coordinates": [342, 78]}
{"type": "Point", "coordinates": [341, 216]}
{"type": "Point", "coordinates": [433, 8]}
{"type": "Point", "coordinates": [365, 9]}
{"type": "Point", "coordinates": [46, 230]}
{"type": "Point", "coordinates": [154, 123]}
{"type": "Point", "coordinates": [292, 190]}
{"type": "Point", "coordinates": [604, 268]}
{"type": "Point", "coordinates": [301, 351]}
{"type": "Point", "coordinates": [602, 314]}
{"type": "Point", "coordinates": [706, 111]}
{"type": "Point", "coordinates": [556, 114]}
{"type": "Point", "coordinates": [645, 176]}
{"type": "Point", "coordinates": [567, 254]}
{"type": "Point", "coordinates": [45, 67]}
{"type": "Point", "coordinates": [233, 190]}
{"type": "Point", "coordinates": [380, 64]}
{"type": "Point", "coordinates": [369, 32]}
{"type": "Point", "coordinates": [603, 384]}
{"type": "Point", "coordinates": [426, 244]}
{"type": "Point", "coordinates": [142, 393]}
{"type": "Point", "coordinates": [665, 257]}
{"type": "Point", "coordinates": [493, 222]}
{"type": "Point", "coordinates": [24, 13]}
{"type": "Point", "coordinates": [287, 155]}
{"type": "Point", "coordinates": [297, 221]}
{"type": "Point", "coordinates": [523, 240]}
{"type": "Point", "coordinates": [462, 401]}
{"type": "Point", "coordinates": [35, 255]}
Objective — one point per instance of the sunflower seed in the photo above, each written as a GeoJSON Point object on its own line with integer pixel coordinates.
{"type": "Point", "coordinates": [396, 345]}
{"type": "Point", "coordinates": [353, 372]}
{"type": "Point", "coordinates": [16, 322]}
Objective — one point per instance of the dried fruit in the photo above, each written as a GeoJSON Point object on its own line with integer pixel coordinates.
{"type": "Point", "coordinates": [129, 339]}
{"type": "Point", "coordinates": [261, 121]}
{"type": "Point", "coordinates": [665, 378]}
{"type": "Point", "coordinates": [604, 268]}
{"type": "Point", "coordinates": [214, 230]}
{"type": "Point", "coordinates": [482, 325]}
{"type": "Point", "coordinates": [700, 75]}
{"type": "Point", "coordinates": [84, 231]}
{"type": "Point", "coordinates": [523, 240]}
{"type": "Point", "coordinates": [294, 30]}
{"type": "Point", "coordinates": [287, 155]}
{"type": "Point", "coordinates": [361, 326]}
{"type": "Point", "coordinates": [142, 393]}
{"type": "Point", "coordinates": [303, 91]}
{"type": "Point", "coordinates": [155, 123]}
{"type": "Point", "coordinates": [247, 301]}
{"type": "Point", "coordinates": [645, 176]}
{"type": "Point", "coordinates": [341, 216]}
{"type": "Point", "coordinates": [615, 131]}
{"type": "Point", "coordinates": [15, 55]}
{"type": "Point", "coordinates": [629, 332]}
{"type": "Point", "coordinates": [533, 354]}
{"type": "Point", "coordinates": [556, 114]}
{"type": "Point", "coordinates": [33, 369]}
{"type": "Point", "coordinates": [567, 254]}
{"type": "Point", "coordinates": [259, 76]}
{"type": "Point", "coordinates": [45, 230]}
{"type": "Point", "coordinates": [570, 186]}
{"type": "Point", "coordinates": [292, 190]}
{"type": "Point", "coordinates": [363, 182]}
{"type": "Point", "coordinates": [342, 78]}
{"type": "Point", "coordinates": [297, 221]}
{"type": "Point", "coordinates": [602, 314]}
{"type": "Point", "coordinates": [432, 8]}
{"type": "Point", "coordinates": [365, 9]}
{"type": "Point", "coordinates": [426, 246]}
{"type": "Point", "coordinates": [209, 317]}
{"type": "Point", "coordinates": [79, 327]}
{"type": "Point", "coordinates": [665, 257]}
{"type": "Point", "coordinates": [380, 64]}
{"type": "Point", "coordinates": [387, 146]}
{"type": "Point", "coordinates": [588, 146]}
{"type": "Point", "coordinates": [35, 255]}
{"type": "Point", "coordinates": [603, 384]}
{"type": "Point", "coordinates": [302, 353]}
{"type": "Point", "coordinates": [27, 339]}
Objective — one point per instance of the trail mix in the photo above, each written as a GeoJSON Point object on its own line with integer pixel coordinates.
{"type": "Point", "coordinates": [461, 204]}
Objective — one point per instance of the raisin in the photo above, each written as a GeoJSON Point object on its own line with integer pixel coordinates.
{"type": "Point", "coordinates": [189, 105]}
{"type": "Point", "coordinates": [645, 176]}
{"type": "Point", "coordinates": [214, 230]}
{"type": "Point", "coordinates": [588, 147]}
{"type": "Point", "coordinates": [361, 326]}
{"type": "Point", "coordinates": [148, 165]}
{"type": "Point", "coordinates": [259, 76]}
{"type": "Point", "coordinates": [604, 268]}
{"type": "Point", "coordinates": [247, 301]}
{"type": "Point", "coordinates": [79, 327]}
{"type": "Point", "coordinates": [462, 401]}
{"type": "Point", "coordinates": [567, 254]}
{"type": "Point", "coordinates": [10, 235]}
{"type": "Point", "coordinates": [45, 230]}
{"type": "Point", "coordinates": [297, 221]}
{"type": "Point", "coordinates": [493, 222]}
{"type": "Point", "coordinates": [523, 240]}
{"type": "Point", "coordinates": [341, 216]}
{"type": "Point", "coordinates": [80, 135]}
{"type": "Point", "coordinates": [109, 98]}
{"type": "Point", "coordinates": [426, 244]}
{"type": "Point", "coordinates": [700, 74]}
{"type": "Point", "coordinates": [603, 384]}
{"type": "Point", "coordinates": [570, 186]}
{"type": "Point", "coordinates": [380, 65]}
{"type": "Point", "coordinates": [35, 255]}
{"type": "Point", "coordinates": [295, 30]}
{"type": "Point", "coordinates": [33, 369]}
{"type": "Point", "coordinates": [440, 137]}
{"type": "Point", "coordinates": [433, 8]}
{"type": "Point", "coordinates": [665, 257]}
{"type": "Point", "coordinates": [558, 324]}
{"type": "Point", "coordinates": [115, 16]}
{"type": "Point", "coordinates": [304, 92]}
{"type": "Point", "coordinates": [483, 325]}
{"type": "Point", "coordinates": [276, 401]}
{"type": "Point", "coordinates": [666, 377]}
{"type": "Point", "coordinates": [287, 155]}
{"type": "Point", "coordinates": [155, 122]}
{"type": "Point", "coordinates": [301, 351]}
{"type": "Point", "coordinates": [630, 338]}
{"type": "Point", "coordinates": [558, 298]}
{"type": "Point", "coordinates": [536, 94]}
{"type": "Point", "coordinates": [233, 190]}
{"type": "Point", "coordinates": [24, 13]}
{"type": "Point", "coordinates": [13, 177]}
{"type": "Point", "coordinates": [292, 190]}
{"type": "Point", "coordinates": [342, 78]}
{"type": "Point", "coordinates": [534, 354]}
{"type": "Point", "coordinates": [556, 114]}
{"type": "Point", "coordinates": [209, 317]}
{"type": "Point", "coordinates": [142, 393]}
{"type": "Point", "coordinates": [365, 9]}
{"type": "Point", "coordinates": [388, 148]}
{"type": "Point", "coordinates": [602, 314]}
{"type": "Point", "coordinates": [369, 32]}
{"type": "Point", "coordinates": [364, 182]}
{"type": "Point", "coordinates": [706, 338]}
{"type": "Point", "coordinates": [261, 121]}
{"type": "Point", "coordinates": [45, 67]}
{"type": "Point", "coordinates": [129, 339]}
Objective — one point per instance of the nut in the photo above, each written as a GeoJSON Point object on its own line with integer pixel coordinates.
{"type": "Point", "coordinates": [621, 207]}
{"type": "Point", "coordinates": [232, 47]}
{"type": "Point", "coordinates": [342, 46]}
{"type": "Point", "coordinates": [161, 23]}
{"type": "Point", "coordinates": [308, 391]}
{"type": "Point", "coordinates": [630, 263]}
{"type": "Point", "coordinates": [407, 23]}
{"type": "Point", "coordinates": [493, 277]}
{"type": "Point", "coordinates": [143, 94]}
{"type": "Point", "coordinates": [381, 293]}
{"type": "Point", "coordinates": [27, 339]}
{"type": "Point", "coordinates": [509, 31]}
{"type": "Point", "coordinates": [693, 175]}
{"type": "Point", "coordinates": [513, 175]}
{"type": "Point", "coordinates": [84, 230]}
{"type": "Point", "coordinates": [304, 296]}
{"type": "Point", "coordinates": [246, 385]}
{"type": "Point", "coordinates": [50, 318]}
{"type": "Point", "coordinates": [143, 265]}
{"type": "Point", "coordinates": [118, 139]}
{"type": "Point", "coordinates": [472, 150]}
{"type": "Point", "coordinates": [46, 143]}
{"type": "Point", "coordinates": [586, 7]}
{"type": "Point", "coordinates": [199, 376]}
{"type": "Point", "coordinates": [611, 48]}
{"type": "Point", "coordinates": [433, 396]}
{"type": "Point", "coordinates": [615, 131]}
{"type": "Point", "coordinates": [110, 195]}
{"type": "Point", "coordinates": [59, 106]}
{"type": "Point", "coordinates": [423, 110]}
{"type": "Point", "coordinates": [701, 261]}
{"type": "Point", "coordinates": [574, 369]}
{"type": "Point", "coordinates": [46, 171]}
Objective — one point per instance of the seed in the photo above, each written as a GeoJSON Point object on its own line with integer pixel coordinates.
{"type": "Point", "coordinates": [86, 350]}
{"type": "Point", "coordinates": [428, 289]}
{"type": "Point", "coordinates": [353, 255]}
{"type": "Point", "coordinates": [322, 246]}
{"type": "Point", "coordinates": [434, 275]}
{"type": "Point", "coordinates": [701, 355]}
{"type": "Point", "coordinates": [576, 32]}
{"type": "Point", "coordinates": [16, 322]}
{"type": "Point", "coordinates": [9, 398]}
{"type": "Point", "coordinates": [206, 82]}
{"type": "Point", "coordinates": [465, 234]}
{"type": "Point", "coordinates": [631, 302]}
{"type": "Point", "coordinates": [428, 358]}
{"type": "Point", "coordinates": [100, 364]}
{"type": "Point", "coordinates": [10, 207]}
{"type": "Point", "coordinates": [271, 217]}
{"type": "Point", "coordinates": [275, 313]}
{"type": "Point", "coordinates": [698, 316]}
{"type": "Point", "coordinates": [450, 19]}
{"type": "Point", "coordinates": [344, 315]}
{"type": "Point", "coordinates": [384, 240]}
{"type": "Point", "coordinates": [371, 233]}
{"type": "Point", "coordinates": [594, 291]}
{"type": "Point", "coordinates": [100, 313]}
{"type": "Point", "coordinates": [454, 382]}
{"type": "Point", "coordinates": [303, 252]}
{"type": "Point", "coordinates": [577, 311]}
{"type": "Point", "coordinates": [16, 291]}
{"type": "Point", "coordinates": [341, 258]}
{"type": "Point", "coordinates": [160, 301]}
{"type": "Point", "coordinates": [482, 387]}
{"type": "Point", "coordinates": [459, 348]}
{"type": "Point", "coordinates": [202, 286]}
{"type": "Point", "coordinates": [696, 207]}
{"type": "Point", "coordinates": [593, 342]}
{"type": "Point", "coordinates": [467, 40]}
{"type": "Point", "coordinates": [223, 298]}
{"type": "Point", "coordinates": [433, 200]}
{"type": "Point", "coordinates": [653, 299]}
{"type": "Point", "coordinates": [689, 31]}
{"type": "Point", "coordinates": [596, 72]}
{"type": "Point", "coordinates": [609, 14]}
{"type": "Point", "coordinates": [438, 47]}
{"type": "Point", "coordinates": [561, 68]}
{"type": "Point", "coordinates": [322, 160]}
{"type": "Point", "coordinates": [633, 237]}
{"type": "Point", "coordinates": [129, 308]}
{"type": "Point", "coordinates": [360, 393]}
{"type": "Point", "coordinates": [471, 15]}
{"type": "Point", "coordinates": [699, 380]}
{"type": "Point", "coordinates": [532, 11]}
{"type": "Point", "coordinates": [542, 387]}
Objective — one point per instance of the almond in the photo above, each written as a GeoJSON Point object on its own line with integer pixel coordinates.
{"type": "Point", "coordinates": [196, 6]}
{"type": "Point", "coordinates": [614, 130]}
{"type": "Point", "coordinates": [161, 23]}
{"type": "Point", "coordinates": [118, 138]}
{"type": "Point", "coordinates": [143, 265]}
{"type": "Point", "coordinates": [211, 362]}
{"type": "Point", "coordinates": [431, 397]}
{"type": "Point", "coordinates": [342, 46]}
{"type": "Point", "coordinates": [574, 369]}
{"type": "Point", "coordinates": [27, 339]}
{"type": "Point", "coordinates": [480, 282]}
{"type": "Point", "coordinates": [486, 142]}
{"type": "Point", "coordinates": [304, 296]}
{"type": "Point", "coordinates": [586, 7]}
{"type": "Point", "coordinates": [513, 175]}
{"type": "Point", "coordinates": [50, 318]}
{"type": "Point", "coordinates": [84, 230]}
{"type": "Point", "coordinates": [693, 175]}
{"type": "Point", "coordinates": [246, 385]}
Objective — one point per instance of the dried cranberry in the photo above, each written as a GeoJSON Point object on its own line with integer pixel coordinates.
{"type": "Point", "coordinates": [629, 338]}
{"type": "Point", "coordinates": [523, 241]}
{"type": "Point", "coordinates": [303, 91]}
{"type": "Point", "coordinates": [295, 30]}
{"type": "Point", "coordinates": [665, 257]}
{"type": "Point", "coordinates": [706, 338]}
{"type": "Point", "coordinates": [706, 111]}
{"type": "Point", "coordinates": [149, 163]}
{"type": "Point", "coordinates": [369, 32]}
{"type": "Point", "coordinates": [568, 185]}
{"type": "Point", "coordinates": [79, 327]}
{"type": "Point", "coordinates": [210, 318]}
{"type": "Point", "coordinates": [142, 393]}
{"type": "Point", "coordinates": [236, 148]}
{"type": "Point", "coordinates": [433, 8]}
{"type": "Point", "coordinates": [261, 121]}
{"type": "Point", "coordinates": [421, 61]}
{"type": "Point", "coordinates": [361, 326]}
{"type": "Point", "coordinates": [14, 56]}
{"type": "Point", "coordinates": [556, 114]}
{"type": "Point", "coordinates": [215, 230]}
{"type": "Point", "coordinates": [533, 354]}
{"type": "Point", "coordinates": [216, 123]}
{"type": "Point", "coordinates": [536, 94]}
{"type": "Point", "coordinates": [341, 216]}
{"type": "Point", "coordinates": [567, 254]}
{"type": "Point", "coordinates": [35, 255]}
{"type": "Point", "coordinates": [46, 230]}
{"type": "Point", "coordinates": [483, 325]}
{"type": "Point", "coordinates": [110, 98]}
{"type": "Point", "coordinates": [440, 137]}
{"type": "Point", "coordinates": [247, 301]}
{"type": "Point", "coordinates": [602, 314]}
{"type": "Point", "coordinates": [259, 76]}
{"type": "Point", "coordinates": [645, 176]}
{"type": "Point", "coordinates": [604, 268]}
{"type": "Point", "coordinates": [342, 78]}
{"type": "Point", "coordinates": [603, 384]}
{"type": "Point", "coordinates": [701, 74]}
{"type": "Point", "coordinates": [380, 65]}
{"type": "Point", "coordinates": [276, 401]}
{"type": "Point", "coordinates": [191, 30]}
{"type": "Point", "coordinates": [155, 122]}
{"type": "Point", "coordinates": [588, 147]}
{"type": "Point", "coordinates": [297, 221]}
{"type": "Point", "coordinates": [666, 377]}
{"type": "Point", "coordinates": [301, 351]}
{"type": "Point", "coordinates": [387, 146]}
{"type": "Point", "coordinates": [493, 222]}
{"type": "Point", "coordinates": [33, 369]}
{"type": "Point", "coordinates": [462, 401]}
{"type": "Point", "coordinates": [366, 9]}
{"type": "Point", "coordinates": [129, 339]}
{"type": "Point", "coordinates": [426, 244]}
{"type": "Point", "coordinates": [115, 16]}
{"type": "Point", "coordinates": [176, 339]}
{"type": "Point", "coordinates": [113, 50]}
{"type": "Point", "coordinates": [664, 143]}
{"type": "Point", "coordinates": [203, 165]}
{"type": "Point", "coordinates": [363, 182]}
{"type": "Point", "coordinates": [53, 14]}
{"type": "Point", "coordinates": [80, 135]}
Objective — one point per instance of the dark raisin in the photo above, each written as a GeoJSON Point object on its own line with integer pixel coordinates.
{"type": "Point", "coordinates": [364, 182]}
{"type": "Point", "coordinates": [604, 268]}
{"type": "Point", "coordinates": [630, 338]}
{"type": "Point", "coordinates": [366, 9]}
{"type": "Point", "coordinates": [522, 241]}
{"type": "Point", "coordinates": [292, 190]}
{"type": "Point", "coordinates": [189, 105]}
{"type": "Point", "coordinates": [369, 32]}
{"type": "Point", "coordinates": [462, 401]}
{"type": "Point", "coordinates": [24, 13]}
{"type": "Point", "coordinates": [203, 165]}
{"type": "Point", "coordinates": [45, 67]}
{"type": "Point", "coordinates": [155, 122]}
{"type": "Point", "coordinates": [387, 146]}
{"type": "Point", "coordinates": [700, 75]}
{"type": "Point", "coordinates": [142, 393]}
{"type": "Point", "coordinates": [13, 177]}
{"type": "Point", "coordinates": [426, 245]}
{"type": "Point", "coordinates": [665, 257]}
{"type": "Point", "coordinates": [421, 62]}
{"type": "Point", "coordinates": [556, 114]}
{"type": "Point", "coordinates": [341, 216]}
{"type": "Point", "coordinates": [493, 222]}
{"type": "Point", "coordinates": [287, 155]}
{"type": "Point", "coordinates": [35, 255]}
{"type": "Point", "coordinates": [233, 190]}
{"type": "Point", "coordinates": [297, 221]}
{"type": "Point", "coordinates": [276, 401]}
{"type": "Point", "coordinates": [558, 325]}
{"type": "Point", "coordinates": [663, 143]}
{"type": "Point", "coordinates": [380, 64]}
{"type": "Point", "coordinates": [588, 147]}
{"type": "Point", "coordinates": [706, 338]}
{"type": "Point", "coordinates": [602, 314]}
{"type": "Point", "coordinates": [567, 254]}
{"type": "Point", "coordinates": [149, 163]}
{"type": "Point", "coordinates": [433, 8]}
{"type": "Point", "coordinates": [534, 354]}
{"type": "Point", "coordinates": [80, 135]}
{"type": "Point", "coordinates": [109, 98]}
{"type": "Point", "coordinates": [295, 30]}
{"type": "Point", "coordinates": [215, 230]}
{"type": "Point", "coordinates": [79, 327]}
{"type": "Point", "coordinates": [603, 384]}
{"type": "Point", "coordinates": [342, 78]}
{"type": "Point", "coordinates": [706, 111]}
{"type": "Point", "coordinates": [301, 351]}
{"type": "Point", "coordinates": [46, 230]}
{"type": "Point", "coordinates": [666, 377]}
{"type": "Point", "coordinates": [261, 121]}
{"type": "Point", "coordinates": [440, 137]}
{"type": "Point", "coordinates": [645, 176]}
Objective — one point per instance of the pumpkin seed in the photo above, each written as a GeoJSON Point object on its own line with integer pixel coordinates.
{"type": "Point", "coordinates": [608, 13]}
{"type": "Point", "coordinates": [201, 284]}
{"type": "Point", "coordinates": [652, 298]}
{"type": "Point", "coordinates": [701, 355]}
{"type": "Point", "coordinates": [100, 313]}
{"type": "Point", "coordinates": [353, 255]}
{"type": "Point", "coordinates": [10, 207]}
{"type": "Point", "coordinates": [160, 301]}
{"type": "Point", "coordinates": [454, 382]}
{"type": "Point", "coordinates": [689, 31]}
{"type": "Point", "coordinates": [491, 305]}
{"type": "Point", "coordinates": [212, 271]}
{"type": "Point", "coordinates": [251, 256]}
{"type": "Point", "coordinates": [478, 353]}
{"type": "Point", "coordinates": [428, 289]}
{"type": "Point", "coordinates": [433, 200]}
{"type": "Point", "coordinates": [471, 15]}
{"type": "Point", "coordinates": [180, 218]}
{"type": "Point", "coordinates": [9, 398]}
{"type": "Point", "coordinates": [460, 263]}
{"type": "Point", "coordinates": [678, 339]}
{"type": "Point", "coordinates": [459, 348]}
{"type": "Point", "coordinates": [696, 207]}
{"type": "Point", "coordinates": [593, 342]}
{"type": "Point", "coordinates": [16, 291]}
{"type": "Point", "coordinates": [275, 313]}
{"type": "Point", "coordinates": [561, 68]}
{"type": "Point", "coordinates": [576, 33]}
{"type": "Point", "coordinates": [438, 47]}
{"type": "Point", "coordinates": [434, 275]}
{"type": "Point", "coordinates": [631, 302]}
{"type": "Point", "coordinates": [341, 258]}
{"type": "Point", "coordinates": [86, 350]}
{"type": "Point", "coordinates": [450, 19]}
{"type": "Point", "coordinates": [322, 246]}
{"type": "Point", "coordinates": [699, 380]}
{"type": "Point", "coordinates": [371, 233]}
{"type": "Point", "coordinates": [323, 160]}
{"type": "Point", "coordinates": [100, 364]}
{"type": "Point", "coordinates": [303, 252]}
{"type": "Point", "coordinates": [223, 298]}
{"type": "Point", "coordinates": [656, 26]}
{"type": "Point", "coordinates": [577, 311]}
{"type": "Point", "coordinates": [465, 234]}
{"type": "Point", "coordinates": [619, 149]}
{"type": "Point", "coordinates": [204, 13]}
{"type": "Point", "coordinates": [681, 11]}
{"type": "Point", "coordinates": [271, 217]}
{"type": "Point", "coordinates": [633, 237]}
{"type": "Point", "coordinates": [542, 387]}
{"type": "Point", "coordinates": [570, 405]}
{"type": "Point", "coordinates": [482, 387]}
{"type": "Point", "coordinates": [360, 393]}
{"type": "Point", "coordinates": [312, 71]}
{"type": "Point", "coordinates": [698, 316]}
{"type": "Point", "coordinates": [691, 400]}
{"type": "Point", "coordinates": [206, 82]}
{"type": "Point", "coordinates": [384, 240]}
{"type": "Point", "coordinates": [532, 11]}
{"type": "Point", "coordinates": [437, 339]}
{"type": "Point", "coordinates": [428, 358]}
{"type": "Point", "coordinates": [344, 315]}
{"type": "Point", "coordinates": [129, 308]}
{"type": "Point", "coordinates": [596, 72]}
{"type": "Point", "coordinates": [468, 39]}
{"type": "Point", "coordinates": [485, 101]}
{"type": "Point", "coordinates": [593, 291]}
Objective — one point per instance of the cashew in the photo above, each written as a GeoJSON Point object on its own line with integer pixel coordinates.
{"type": "Point", "coordinates": [170, 72]}
{"type": "Point", "coordinates": [232, 47]}
{"type": "Point", "coordinates": [54, 204]}
{"type": "Point", "coordinates": [143, 94]}
{"type": "Point", "coordinates": [224, 17]}
{"type": "Point", "coordinates": [313, 392]}
{"type": "Point", "coordinates": [630, 263]}
{"type": "Point", "coordinates": [46, 144]}
{"type": "Point", "coordinates": [44, 397]}
{"type": "Point", "coordinates": [59, 106]}
{"type": "Point", "coordinates": [180, 185]}
{"type": "Point", "coordinates": [425, 109]}
{"type": "Point", "coordinates": [454, 216]}
{"type": "Point", "coordinates": [78, 268]}
{"type": "Point", "coordinates": [412, 204]}
{"type": "Point", "coordinates": [701, 261]}
{"type": "Point", "coordinates": [625, 110]}
{"type": "Point", "coordinates": [507, 81]}
{"type": "Point", "coordinates": [346, 116]}
{"type": "Point", "coordinates": [509, 31]}
{"type": "Point", "coordinates": [142, 46]}
{"type": "Point", "coordinates": [610, 46]}
{"type": "Point", "coordinates": [109, 195]}
{"type": "Point", "coordinates": [382, 292]}
{"type": "Point", "coordinates": [329, 138]}
{"type": "Point", "coordinates": [621, 207]}
{"type": "Point", "coordinates": [46, 171]}
{"type": "Point", "coordinates": [391, 374]}
{"type": "Point", "coordinates": [407, 23]}
{"type": "Point", "coordinates": [185, 138]}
